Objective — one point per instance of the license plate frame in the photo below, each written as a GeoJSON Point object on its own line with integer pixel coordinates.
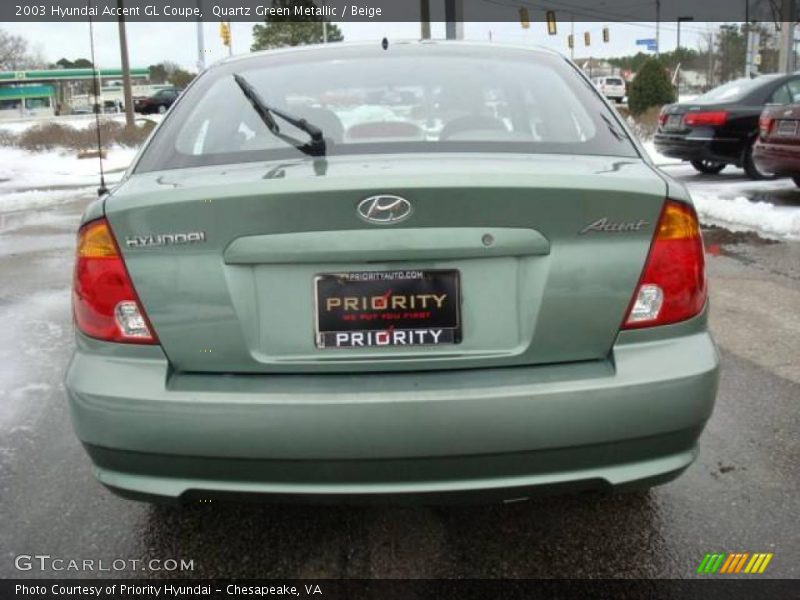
{"type": "Point", "coordinates": [674, 122]}
{"type": "Point", "coordinates": [786, 128]}
{"type": "Point", "coordinates": [388, 308]}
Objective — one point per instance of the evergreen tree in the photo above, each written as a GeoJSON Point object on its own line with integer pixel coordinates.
{"type": "Point", "coordinates": [651, 87]}
{"type": "Point", "coordinates": [280, 31]}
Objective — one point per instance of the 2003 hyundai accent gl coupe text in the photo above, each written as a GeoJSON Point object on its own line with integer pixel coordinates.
{"type": "Point", "coordinates": [421, 269]}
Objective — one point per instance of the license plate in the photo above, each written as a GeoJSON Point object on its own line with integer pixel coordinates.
{"type": "Point", "coordinates": [674, 121]}
{"type": "Point", "coordinates": [387, 308]}
{"type": "Point", "coordinates": [787, 128]}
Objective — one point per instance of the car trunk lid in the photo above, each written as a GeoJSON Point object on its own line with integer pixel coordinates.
{"type": "Point", "coordinates": [547, 251]}
{"type": "Point", "coordinates": [781, 124]}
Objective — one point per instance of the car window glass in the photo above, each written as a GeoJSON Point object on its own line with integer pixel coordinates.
{"type": "Point", "coordinates": [391, 104]}
{"type": "Point", "coordinates": [794, 90]}
{"type": "Point", "coordinates": [781, 96]}
{"type": "Point", "coordinates": [732, 91]}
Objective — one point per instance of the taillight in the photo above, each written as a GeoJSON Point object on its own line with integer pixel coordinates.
{"type": "Point", "coordinates": [662, 116]}
{"type": "Point", "coordinates": [714, 118]}
{"type": "Point", "coordinates": [673, 284]}
{"type": "Point", "coordinates": [765, 125]}
{"type": "Point", "coordinates": [104, 302]}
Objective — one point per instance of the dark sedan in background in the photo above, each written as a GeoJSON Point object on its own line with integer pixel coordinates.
{"type": "Point", "coordinates": [158, 102]}
{"type": "Point", "coordinates": [778, 147]}
{"type": "Point", "coordinates": [721, 127]}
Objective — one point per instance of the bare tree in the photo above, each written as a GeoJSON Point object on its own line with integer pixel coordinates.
{"type": "Point", "coordinates": [16, 54]}
{"type": "Point", "coordinates": [708, 47]}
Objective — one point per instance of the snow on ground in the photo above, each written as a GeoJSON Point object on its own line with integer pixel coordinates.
{"type": "Point", "coordinates": [21, 169]}
{"type": "Point", "coordinates": [742, 204]}
{"type": "Point", "coordinates": [741, 214]}
{"type": "Point", "coordinates": [657, 158]}
{"type": "Point", "coordinates": [37, 328]}
{"type": "Point", "coordinates": [76, 121]}
{"type": "Point", "coordinates": [730, 204]}
{"type": "Point", "coordinates": [38, 199]}
{"type": "Point", "coordinates": [39, 179]}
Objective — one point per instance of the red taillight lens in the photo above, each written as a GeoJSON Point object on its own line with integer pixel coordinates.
{"type": "Point", "coordinates": [673, 283]}
{"type": "Point", "coordinates": [104, 302]}
{"type": "Point", "coordinates": [765, 125]}
{"type": "Point", "coordinates": [662, 117]}
{"type": "Point", "coordinates": [714, 118]}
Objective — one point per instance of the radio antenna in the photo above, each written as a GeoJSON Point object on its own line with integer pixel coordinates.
{"type": "Point", "coordinates": [96, 88]}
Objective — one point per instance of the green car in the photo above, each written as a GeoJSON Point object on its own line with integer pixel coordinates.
{"type": "Point", "coordinates": [429, 271]}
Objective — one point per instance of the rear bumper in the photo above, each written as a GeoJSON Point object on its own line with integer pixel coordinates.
{"type": "Point", "coordinates": [499, 432]}
{"type": "Point", "coordinates": [700, 145]}
{"type": "Point", "coordinates": [780, 159]}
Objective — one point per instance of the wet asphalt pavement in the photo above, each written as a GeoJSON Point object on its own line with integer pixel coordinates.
{"type": "Point", "coordinates": [740, 496]}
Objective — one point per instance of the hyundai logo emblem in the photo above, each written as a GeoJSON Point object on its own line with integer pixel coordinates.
{"type": "Point", "coordinates": [384, 209]}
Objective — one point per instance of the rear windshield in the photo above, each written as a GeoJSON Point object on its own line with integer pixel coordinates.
{"type": "Point", "coordinates": [418, 99]}
{"type": "Point", "coordinates": [732, 91]}
{"type": "Point", "coordinates": [613, 81]}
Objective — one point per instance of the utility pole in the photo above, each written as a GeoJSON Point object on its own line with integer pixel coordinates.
{"type": "Point", "coordinates": [126, 68]}
{"type": "Point", "coordinates": [453, 16]}
{"type": "Point", "coordinates": [678, 51]}
{"type": "Point", "coordinates": [786, 56]}
{"type": "Point", "coordinates": [658, 27]}
{"type": "Point", "coordinates": [710, 72]}
{"type": "Point", "coordinates": [201, 45]}
{"type": "Point", "coordinates": [748, 62]}
{"type": "Point", "coordinates": [572, 34]}
{"type": "Point", "coordinates": [753, 46]}
{"type": "Point", "coordinates": [425, 19]}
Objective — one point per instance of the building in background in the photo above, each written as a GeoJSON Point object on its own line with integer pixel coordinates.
{"type": "Point", "coordinates": [48, 92]}
{"type": "Point", "coordinates": [30, 100]}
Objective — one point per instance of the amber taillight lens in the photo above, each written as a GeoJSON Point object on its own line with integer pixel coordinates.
{"type": "Point", "coordinates": [673, 284]}
{"type": "Point", "coordinates": [104, 303]}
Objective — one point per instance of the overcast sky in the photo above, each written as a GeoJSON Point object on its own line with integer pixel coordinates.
{"type": "Point", "coordinates": [151, 43]}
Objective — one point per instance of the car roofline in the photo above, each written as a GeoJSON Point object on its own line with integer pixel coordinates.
{"type": "Point", "coordinates": [310, 48]}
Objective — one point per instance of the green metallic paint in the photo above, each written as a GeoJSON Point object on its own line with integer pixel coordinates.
{"type": "Point", "coordinates": [545, 391]}
{"type": "Point", "coordinates": [542, 424]}
{"type": "Point", "coordinates": [255, 314]}
{"type": "Point", "coordinates": [386, 245]}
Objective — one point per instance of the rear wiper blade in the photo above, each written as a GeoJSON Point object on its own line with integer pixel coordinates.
{"type": "Point", "coordinates": [613, 128]}
{"type": "Point", "coordinates": [316, 147]}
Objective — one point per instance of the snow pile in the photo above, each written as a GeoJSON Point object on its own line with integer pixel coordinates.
{"type": "Point", "coordinates": [39, 179]}
{"type": "Point", "coordinates": [659, 159]}
{"type": "Point", "coordinates": [723, 200]}
{"type": "Point", "coordinates": [76, 121]}
{"type": "Point", "coordinates": [20, 125]}
{"type": "Point", "coordinates": [23, 169]}
{"type": "Point", "coordinates": [741, 214]}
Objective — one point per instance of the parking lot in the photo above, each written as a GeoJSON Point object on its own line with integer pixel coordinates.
{"type": "Point", "coordinates": [738, 496]}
